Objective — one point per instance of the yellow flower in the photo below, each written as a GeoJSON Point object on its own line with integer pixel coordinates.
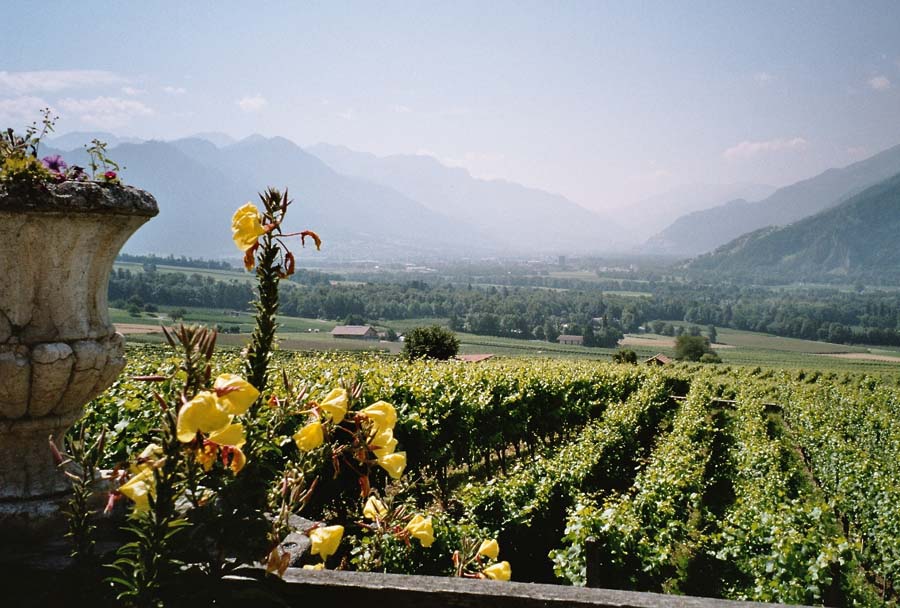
{"type": "Point", "coordinates": [139, 488]}
{"type": "Point", "coordinates": [234, 458]}
{"type": "Point", "coordinates": [235, 394]}
{"type": "Point", "coordinates": [325, 540]}
{"type": "Point", "coordinates": [393, 464]}
{"type": "Point", "coordinates": [383, 443]}
{"type": "Point", "coordinates": [498, 572]}
{"type": "Point", "coordinates": [202, 413]}
{"type": "Point", "coordinates": [320, 566]}
{"type": "Point", "coordinates": [489, 548]}
{"type": "Point", "coordinates": [151, 454]}
{"type": "Point", "coordinates": [374, 509]}
{"type": "Point", "coordinates": [335, 404]}
{"type": "Point", "coordinates": [420, 527]}
{"type": "Point", "coordinates": [231, 435]}
{"type": "Point", "coordinates": [246, 226]}
{"type": "Point", "coordinates": [309, 437]}
{"type": "Point", "coordinates": [382, 414]}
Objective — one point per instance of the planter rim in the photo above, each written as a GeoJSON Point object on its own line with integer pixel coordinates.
{"type": "Point", "coordinates": [79, 197]}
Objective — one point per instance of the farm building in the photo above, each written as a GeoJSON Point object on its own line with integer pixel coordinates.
{"type": "Point", "coordinates": [658, 359]}
{"type": "Point", "coordinates": [567, 339]}
{"type": "Point", "coordinates": [355, 332]}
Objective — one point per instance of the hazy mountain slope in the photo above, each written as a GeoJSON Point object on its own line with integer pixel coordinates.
{"type": "Point", "coordinates": [195, 201]}
{"type": "Point", "coordinates": [198, 187]}
{"type": "Point", "coordinates": [705, 230]}
{"type": "Point", "coordinates": [858, 238]}
{"type": "Point", "coordinates": [77, 139]}
{"type": "Point", "coordinates": [646, 217]}
{"type": "Point", "coordinates": [521, 219]}
{"type": "Point", "coordinates": [349, 209]}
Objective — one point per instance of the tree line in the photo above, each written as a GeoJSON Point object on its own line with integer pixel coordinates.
{"type": "Point", "coordinates": [539, 313]}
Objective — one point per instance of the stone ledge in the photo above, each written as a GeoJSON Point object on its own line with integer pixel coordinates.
{"type": "Point", "coordinates": [331, 587]}
{"type": "Point", "coordinates": [80, 197]}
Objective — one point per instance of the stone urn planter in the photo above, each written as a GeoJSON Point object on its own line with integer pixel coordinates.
{"type": "Point", "coordinates": [58, 349]}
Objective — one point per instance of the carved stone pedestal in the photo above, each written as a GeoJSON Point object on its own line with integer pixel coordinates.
{"type": "Point", "coordinates": [58, 349]}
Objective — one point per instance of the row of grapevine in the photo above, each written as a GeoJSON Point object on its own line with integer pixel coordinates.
{"type": "Point", "coordinates": [779, 540]}
{"type": "Point", "coordinates": [851, 435]}
{"type": "Point", "coordinates": [526, 508]}
{"type": "Point", "coordinates": [642, 532]}
{"type": "Point", "coordinates": [450, 414]}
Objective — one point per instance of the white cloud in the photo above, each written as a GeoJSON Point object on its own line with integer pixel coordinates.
{"type": "Point", "coordinates": [880, 83]}
{"type": "Point", "coordinates": [21, 111]}
{"type": "Point", "coordinates": [762, 77]}
{"type": "Point", "coordinates": [750, 149]}
{"type": "Point", "coordinates": [349, 114]}
{"type": "Point", "coordinates": [105, 112]}
{"type": "Point", "coordinates": [400, 109]}
{"type": "Point", "coordinates": [857, 151]}
{"type": "Point", "coordinates": [132, 91]}
{"type": "Point", "coordinates": [50, 81]}
{"type": "Point", "coordinates": [174, 90]}
{"type": "Point", "coordinates": [252, 104]}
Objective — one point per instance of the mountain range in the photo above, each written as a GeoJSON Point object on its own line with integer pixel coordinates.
{"type": "Point", "coordinates": [857, 239]}
{"type": "Point", "coordinates": [703, 231]}
{"type": "Point", "coordinates": [198, 184]}
{"type": "Point", "coordinates": [515, 217]}
{"type": "Point", "coordinates": [644, 218]}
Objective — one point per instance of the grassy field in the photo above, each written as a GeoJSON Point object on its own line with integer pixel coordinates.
{"type": "Point", "coordinates": [735, 347]}
{"type": "Point", "coordinates": [218, 275]}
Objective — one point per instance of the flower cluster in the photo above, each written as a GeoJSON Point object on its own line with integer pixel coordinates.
{"type": "Point", "coordinates": [205, 426]}
{"type": "Point", "coordinates": [206, 422]}
{"type": "Point", "coordinates": [20, 164]}
{"type": "Point", "coordinates": [480, 562]}
{"type": "Point", "coordinates": [397, 523]}
{"type": "Point", "coordinates": [369, 431]}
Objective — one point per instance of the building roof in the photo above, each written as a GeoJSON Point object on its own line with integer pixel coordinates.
{"type": "Point", "coordinates": [473, 358]}
{"type": "Point", "coordinates": [569, 337]}
{"type": "Point", "coordinates": [351, 330]}
{"type": "Point", "coordinates": [659, 357]}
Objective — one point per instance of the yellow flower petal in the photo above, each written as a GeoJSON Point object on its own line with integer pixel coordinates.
{"type": "Point", "coordinates": [309, 437]}
{"type": "Point", "coordinates": [202, 413]}
{"type": "Point", "coordinates": [393, 464]}
{"type": "Point", "coordinates": [235, 394]}
{"type": "Point", "coordinates": [335, 404]}
{"type": "Point", "coordinates": [246, 226]}
{"type": "Point", "coordinates": [498, 572]}
{"type": "Point", "coordinates": [374, 509]}
{"type": "Point", "coordinates": [139, 488]}
{"type": "Point", "coordinates": [382, 414]}
{"type": "Point", "coordinates": [231, 435]}
{"type": "Point", "coordinates": [320, 566]}
{"type": "Point", "coordinates": [489, 548]}
{"type": "Point", "coordinates": [383, 443]}
{"type": "Point", "coordinates": [420, 527]}
{"type": "Point", "coordinates": [325, 540]}
{"type": "Point", "coordinates": [235, 459]}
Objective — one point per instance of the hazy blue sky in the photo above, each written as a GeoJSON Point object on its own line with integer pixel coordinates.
{"type": "Point", "coordinates": [602, 102]}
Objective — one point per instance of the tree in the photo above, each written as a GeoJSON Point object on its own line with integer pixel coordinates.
{"type": "Point", "coordinates": [710, 358]}
{"type": "Point", "coordinates": [434, 342]}
{"type": "Point", "coordinates": [625, 356]}
{"type": "Point", "coordinates": [712, 334]}
{"type": "Point", "coordinates": [691, 348]}
{"type": "Point", "coordinates": [588, 338]}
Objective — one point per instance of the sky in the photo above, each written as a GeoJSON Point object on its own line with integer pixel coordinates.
{"type": "Point", "coordinates": [603, 102]}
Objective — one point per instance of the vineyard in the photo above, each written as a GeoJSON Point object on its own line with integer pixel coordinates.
{"type": "Point", "coordinates": [713, 481]}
